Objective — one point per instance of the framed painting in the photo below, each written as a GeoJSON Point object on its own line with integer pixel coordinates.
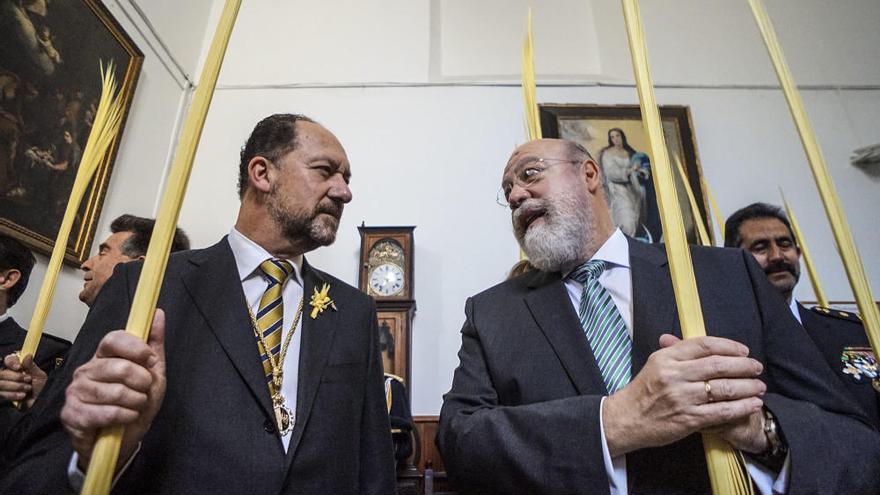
{"type": "Point", "coordinates": [50, 84]}
{"type": "Point", "coordinates": [616, 139]}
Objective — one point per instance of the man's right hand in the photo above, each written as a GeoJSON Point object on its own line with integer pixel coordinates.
{"type": "Point", "coordinates": [668, 401]}
{"type": "Point", "coordinates": [21, 380]}
{"type": "Point", "coordinates": [122, 385]}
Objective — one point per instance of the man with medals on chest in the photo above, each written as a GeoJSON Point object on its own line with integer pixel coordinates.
{"type": "Point", "coordinates": [262, 374]}
{"type": "Point", "coordinates": [764, 230]}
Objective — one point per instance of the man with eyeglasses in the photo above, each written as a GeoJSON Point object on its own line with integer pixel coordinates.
{"type": "Point", "coordinates": [574, 379]}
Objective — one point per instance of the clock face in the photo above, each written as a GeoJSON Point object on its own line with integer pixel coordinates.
{"type": "Point", "coordinates": [386, 279]}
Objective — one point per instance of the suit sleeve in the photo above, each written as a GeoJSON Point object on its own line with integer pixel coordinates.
{"type": "Point", "coordinates": [487, 447]}
{"type": "Point", "coordinates": [831, 443]}
{"type": "Point", "coordinates": [37, 460]}
{"type": "Point", "coordinates": [377, 472]}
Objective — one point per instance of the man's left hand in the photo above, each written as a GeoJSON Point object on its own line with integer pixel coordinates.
{"type": "Point", "coordinates": [746, 434]}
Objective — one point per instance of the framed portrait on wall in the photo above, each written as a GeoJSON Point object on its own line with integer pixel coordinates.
{"type": "Point", "coordinates": [50, 84]}
{"type": "Point", "coordinates": [615, 137]}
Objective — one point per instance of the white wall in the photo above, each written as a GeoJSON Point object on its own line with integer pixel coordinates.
{"type": "Point", "coordinates": [428, 106]}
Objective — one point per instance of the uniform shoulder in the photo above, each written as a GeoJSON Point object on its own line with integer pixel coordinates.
{"type": "Point", "coordinates": [838, 314]}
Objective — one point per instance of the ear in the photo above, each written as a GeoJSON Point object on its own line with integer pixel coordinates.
{"type": "Point", "coordinates": [258, 174]}
{"type": "Point", "coordinates": [592, 175]}
{"type": "Point", "coordinates": [8, 278]}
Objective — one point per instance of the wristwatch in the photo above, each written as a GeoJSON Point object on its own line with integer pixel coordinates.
{"type": "Point", "coordinates": [774, 457]}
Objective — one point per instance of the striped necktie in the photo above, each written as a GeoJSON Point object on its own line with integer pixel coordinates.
{"type": "Point", "coordinates": [270, 316]}
{"type": "Point", "coordinates": [604, 327]}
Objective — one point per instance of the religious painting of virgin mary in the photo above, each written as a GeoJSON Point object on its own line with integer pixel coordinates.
{"type": "Point", "coordinates": [616, 139]}
{"type": "Point", "coordinates": [50, 83]}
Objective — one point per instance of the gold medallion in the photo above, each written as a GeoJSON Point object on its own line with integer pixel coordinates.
{"type": "Point", "coordinates": [284, 418]}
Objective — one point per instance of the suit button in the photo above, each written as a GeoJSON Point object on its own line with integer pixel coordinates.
{"type": "Point", "coordinates": [269, 426]}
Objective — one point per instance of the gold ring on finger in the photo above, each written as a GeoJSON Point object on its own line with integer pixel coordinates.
{"type": "Point", "coordinates": [709, 397]}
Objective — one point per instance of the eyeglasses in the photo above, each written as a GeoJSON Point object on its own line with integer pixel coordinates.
{"type": "Point", "coordinates": [527, 173]}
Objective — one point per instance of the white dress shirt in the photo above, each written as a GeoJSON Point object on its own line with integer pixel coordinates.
{"type": "Point", "coordinates": [248, 256]}
{"type": "Point", "coordinates": [617, 280]}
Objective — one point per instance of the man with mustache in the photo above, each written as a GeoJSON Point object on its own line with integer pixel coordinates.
{"type": "Point", "coordinates": [262, 374]}
{"type": "Point", "coordinates": [763, 230]}
{"type": "Point", "coordinates": [573, 377]}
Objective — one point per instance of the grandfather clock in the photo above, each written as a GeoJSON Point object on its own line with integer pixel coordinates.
{"type": "Point", "coordinates": [386, 274]}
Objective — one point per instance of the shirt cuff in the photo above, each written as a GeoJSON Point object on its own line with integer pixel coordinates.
{"type": "Point", "coordinates": [77, 478]}
{"type": "Point", "coordinates": [615, 467]}
{"type": "Point", "coordinates": [767, 481]}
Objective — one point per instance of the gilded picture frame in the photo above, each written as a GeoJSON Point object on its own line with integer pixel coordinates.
{"type": "Point", "coordinates": [50, 82]}
{"type": "Point", "coordinates": [626, 167]}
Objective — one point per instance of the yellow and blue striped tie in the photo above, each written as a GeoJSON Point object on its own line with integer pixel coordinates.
{"type": "Point", "coordinates": [604, 327]}
{"type": "Point", "coordinates": [270, 316]}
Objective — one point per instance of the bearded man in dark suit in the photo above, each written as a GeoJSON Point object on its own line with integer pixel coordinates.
{"type": "Point", "coordinates": [573, 377]}
{"type": "Point", "coordinates": [286, 399]}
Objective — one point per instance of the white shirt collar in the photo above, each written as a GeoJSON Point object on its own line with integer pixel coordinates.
{"type": "Point", "coordinates": [615, 250]}
{"type": "Point", "coordinates": [795, 310]}
{"type": "Point", "coordinates": [248, 256]}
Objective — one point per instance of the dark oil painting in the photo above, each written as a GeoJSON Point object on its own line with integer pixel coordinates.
{"type": "Point", "coordinates": [50, 84]}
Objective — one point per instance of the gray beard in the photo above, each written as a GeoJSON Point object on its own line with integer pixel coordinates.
{"type": "Point", "coordinates": [557, 246]}
{"type": "Point", "coordinates": [300, 226]}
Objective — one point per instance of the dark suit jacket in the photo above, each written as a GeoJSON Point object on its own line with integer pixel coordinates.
{"type": "Point", "coordinates": [50, 355]}
{"type": "Point", "coordinates": [215, 430]}
{"type": "Point", "coordinates": [523, 412]}
{"type": "Point", "coordinates": [833, 333]}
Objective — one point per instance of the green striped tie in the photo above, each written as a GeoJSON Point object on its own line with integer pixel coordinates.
{"type": "Point", "coordinates": [604, 327]}
{"type": "Point", "coordinates": [270, 316]}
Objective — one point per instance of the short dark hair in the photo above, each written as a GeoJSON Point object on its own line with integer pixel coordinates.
{"type": "Point", "coordinates": [732, 235]}
{"type": "Point", "coordinates": [142, 229]}
{"type": "Point", "coordinates": [272, 138]}
{"type": "Point", "coordinates": [13, 255]}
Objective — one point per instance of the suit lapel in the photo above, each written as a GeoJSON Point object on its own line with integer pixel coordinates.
{"type": "Point", "coordinates": [317, 340]}
{"type": "Point", "coordinates": [653, 301]}
{"type": "Point", "coordinates": [215, 288]}
{"type": "Point", "coordinates": [552, 310]}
